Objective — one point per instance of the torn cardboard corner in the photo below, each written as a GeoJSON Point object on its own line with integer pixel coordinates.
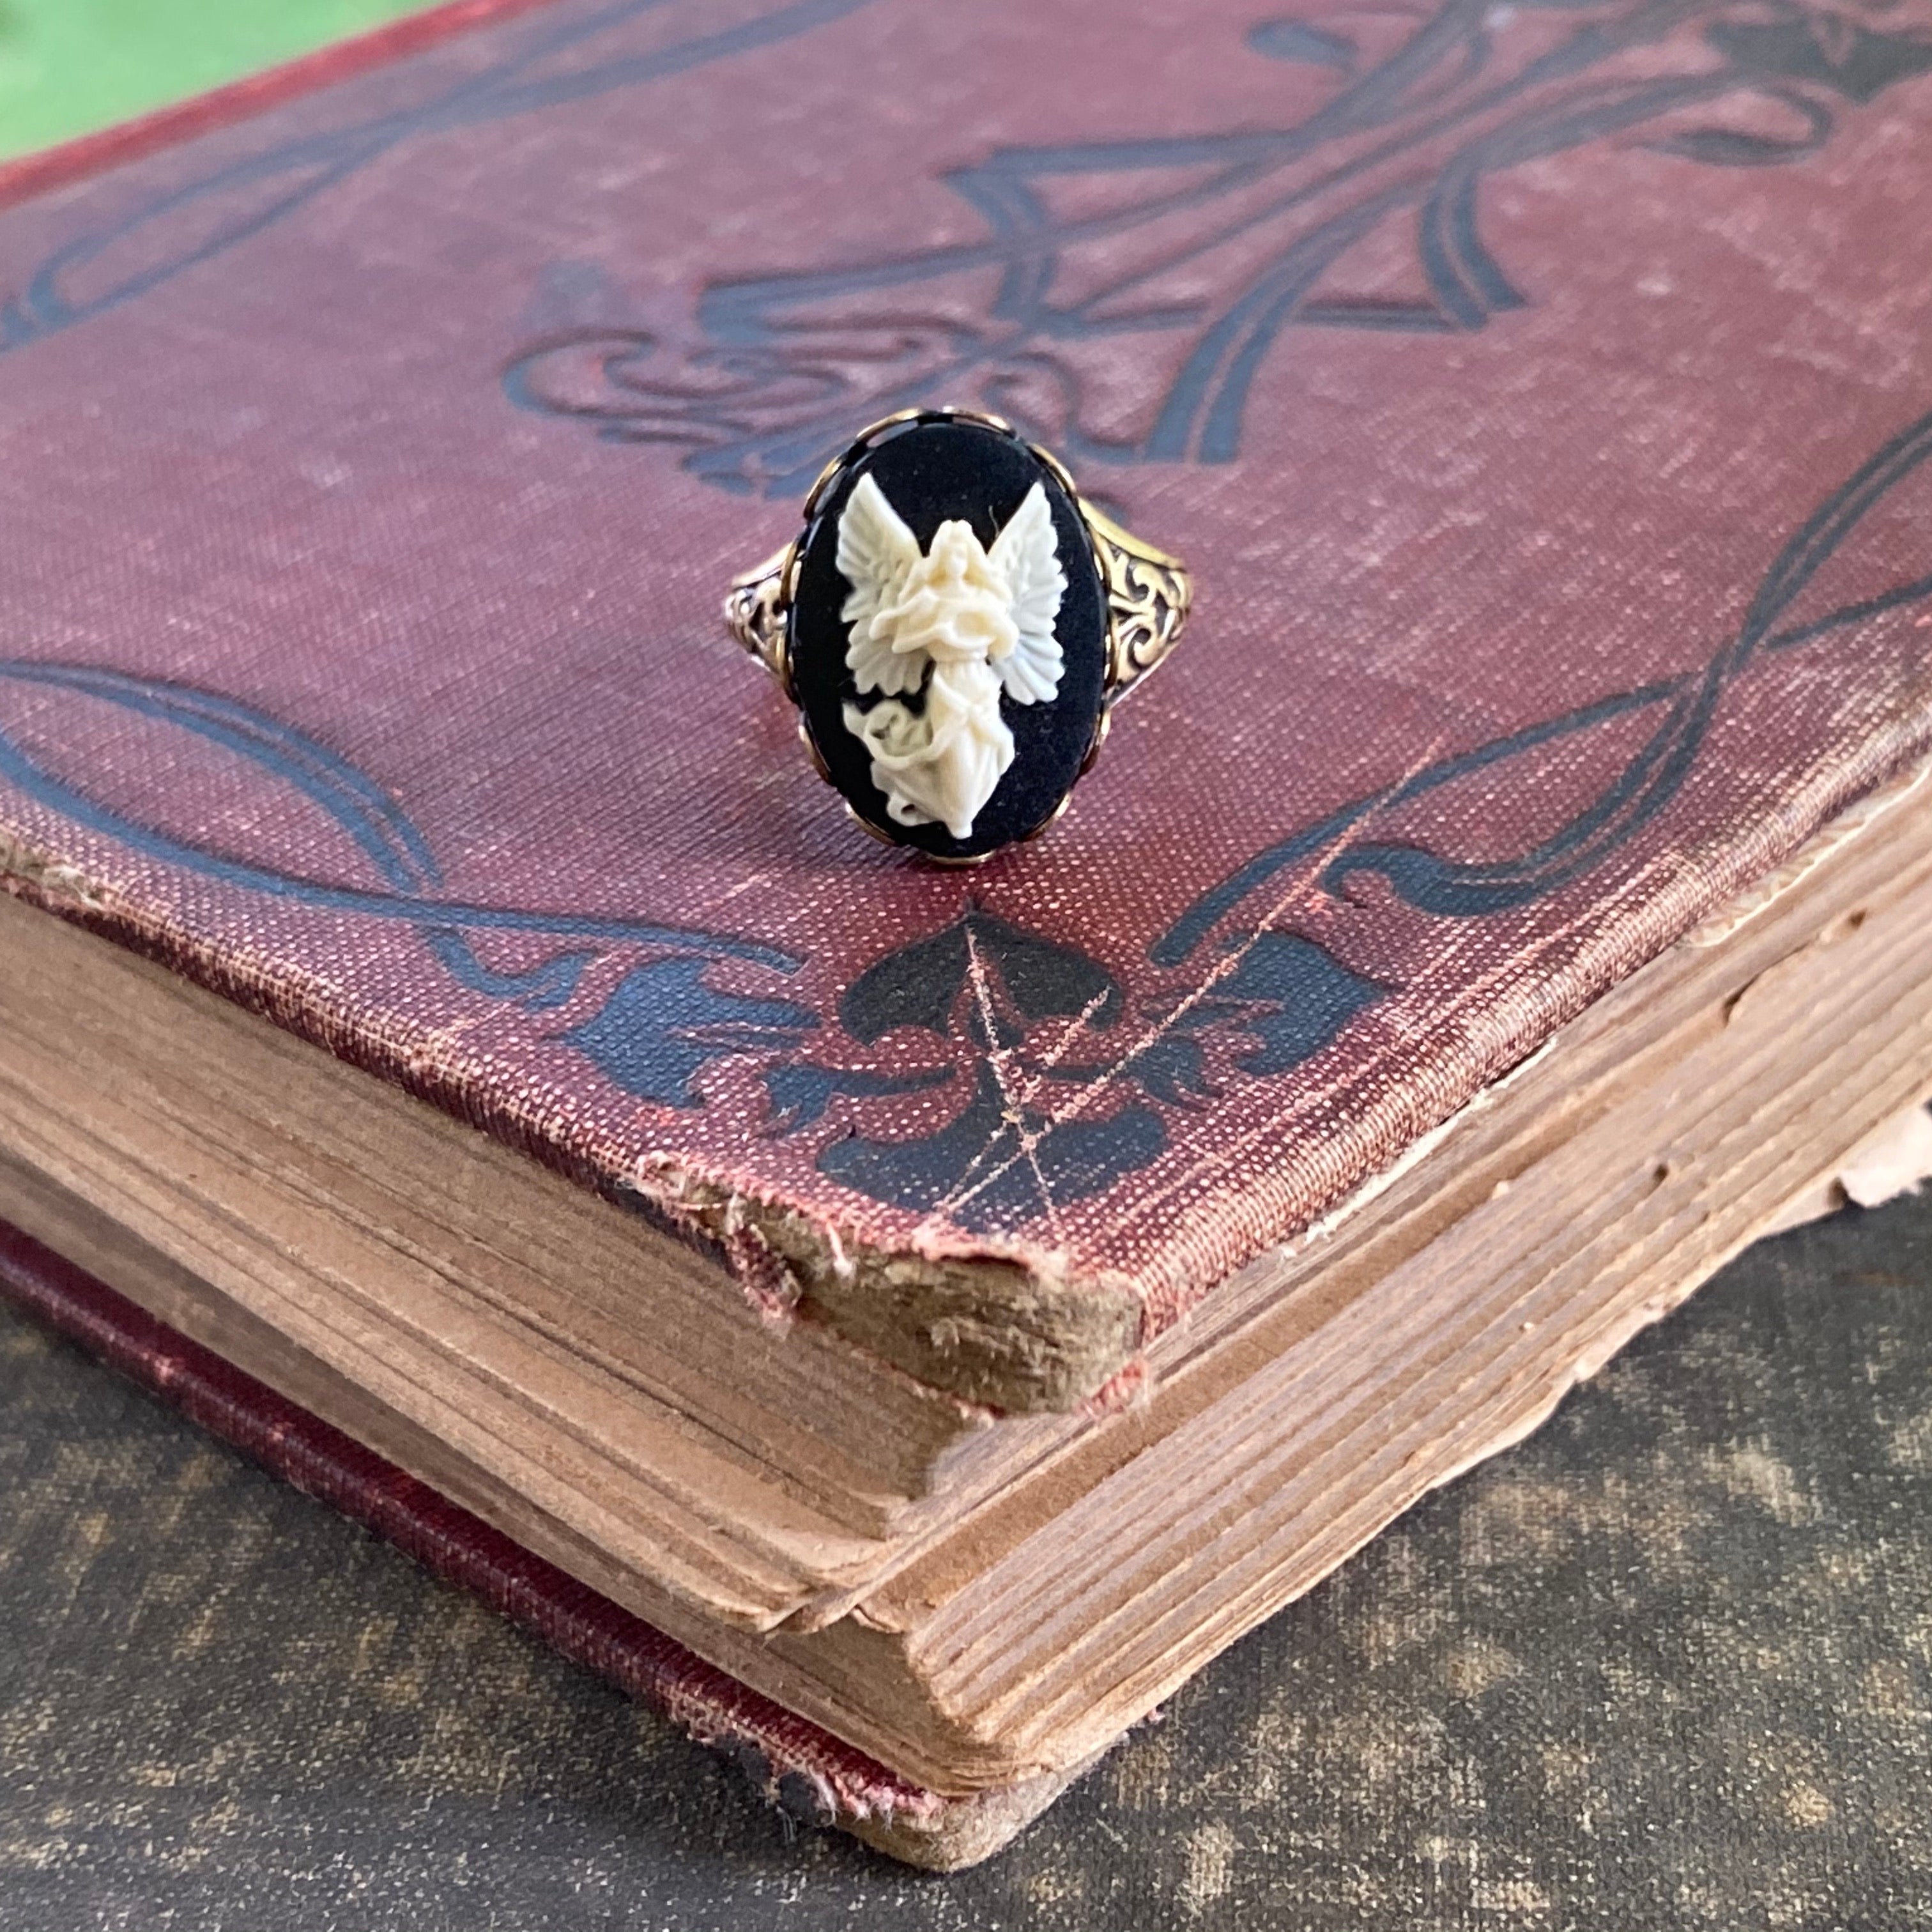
{"type": "Point", "coordinates": [990, 1331]}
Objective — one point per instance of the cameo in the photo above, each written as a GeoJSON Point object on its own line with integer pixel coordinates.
{"type": "Point", "coordinates": [948, 637]}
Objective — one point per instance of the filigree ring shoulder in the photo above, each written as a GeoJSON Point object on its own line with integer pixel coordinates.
{"type": "Point", "coordinates": [956, 625]}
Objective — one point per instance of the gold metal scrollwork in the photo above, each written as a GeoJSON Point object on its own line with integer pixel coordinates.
{"type": "Point", "coordinates": [756, 611]}
{"type": "Point", "coordinates": [1148, 593]}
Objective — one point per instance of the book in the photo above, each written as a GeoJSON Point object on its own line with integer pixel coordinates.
{"type": "Point", "coordinates": [953, 1306]}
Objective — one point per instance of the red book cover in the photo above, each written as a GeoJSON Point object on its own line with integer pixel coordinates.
{"type": "Point", "coordinates": [1540, 394]}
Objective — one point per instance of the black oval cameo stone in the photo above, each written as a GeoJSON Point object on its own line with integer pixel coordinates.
{"type": "Point", "coordinates": [930, 472]}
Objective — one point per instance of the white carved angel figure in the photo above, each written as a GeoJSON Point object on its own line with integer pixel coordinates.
{"type": "Point", "coordinates": [981, 620]}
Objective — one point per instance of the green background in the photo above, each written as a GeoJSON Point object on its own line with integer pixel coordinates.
{"type": "Point", "coordinates": [67, 66]}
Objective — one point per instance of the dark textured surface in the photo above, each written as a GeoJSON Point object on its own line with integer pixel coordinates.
{"type": "Point", "coordinates": [1669, 1662]}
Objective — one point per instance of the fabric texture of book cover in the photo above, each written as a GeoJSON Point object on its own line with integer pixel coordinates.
{"type": "Point", "coordinates": [1541, 395]}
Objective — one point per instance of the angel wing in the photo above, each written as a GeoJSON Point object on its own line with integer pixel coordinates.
{"type": "Point", "coordinates": [876, 551]}
{"type": "Point", "coordinates": [1027, 553]}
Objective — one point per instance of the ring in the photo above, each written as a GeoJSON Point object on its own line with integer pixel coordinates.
{"type": "Point", "coordinates": [955, 625]}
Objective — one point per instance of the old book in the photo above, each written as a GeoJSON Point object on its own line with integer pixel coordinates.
{"type": "Point", "coordinates": [954, 1305]}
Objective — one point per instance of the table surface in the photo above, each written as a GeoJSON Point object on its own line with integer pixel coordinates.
{"type": "Point", "coordinates": [1669, 1662]}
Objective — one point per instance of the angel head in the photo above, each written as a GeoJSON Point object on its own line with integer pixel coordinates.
{"type": "Point", "coordinates": [952, 603]}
